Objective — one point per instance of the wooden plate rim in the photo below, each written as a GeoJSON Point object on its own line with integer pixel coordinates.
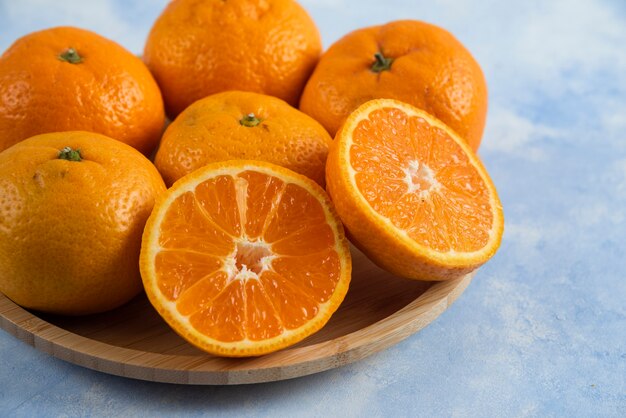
{"type": "Point", "coordinates": [284, 364]}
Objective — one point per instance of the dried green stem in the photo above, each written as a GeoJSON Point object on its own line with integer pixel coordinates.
{"type": "Point", "coordinates": [250, 120]}
{"type": "Point", "coordinates": [71, 55]}
{"type": "Point", "coordinates": [381, 63]}
{"type": "Point", "coordinates": [70, 154]}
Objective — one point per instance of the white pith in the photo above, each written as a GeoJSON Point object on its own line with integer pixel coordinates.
{"type": "Point", "coordinates": [246, 272]}
{"type": "Point", "coordinates": [418, 170]}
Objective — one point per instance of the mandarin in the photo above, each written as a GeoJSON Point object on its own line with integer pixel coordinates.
{"type": "Point", "coordinates": [73, 206]}
{"type": "Point", "coordinates": [65, 79]}
{"type": "Point", "coordinates": [242, 125]}
{"type": "Point", "coordinates": [412, 194]}
{"type": "Point", "coordinates": [407, 60]}
{"type": "Point", "coordinates": [243, 258]}
{"type": "Point", "coordinates": [201, 47]}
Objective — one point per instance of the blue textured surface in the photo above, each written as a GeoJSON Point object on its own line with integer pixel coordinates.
{"type": "Point", "coordinates": [542, 329]}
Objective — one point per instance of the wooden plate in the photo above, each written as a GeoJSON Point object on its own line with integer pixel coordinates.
{"type": "Point", "coordinates": [133, 341]}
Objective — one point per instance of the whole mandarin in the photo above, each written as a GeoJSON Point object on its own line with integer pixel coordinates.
{"type": "Point", "coordinates": [65, 79]}
{"type": "Point", "coordinates": [73, 206]}
{"type": "Point", "coordinates": [411, 61]}
{"type": "Point", "coordinates": [201, 47]}
{"type": "Point", "coordinates": [238, 125]}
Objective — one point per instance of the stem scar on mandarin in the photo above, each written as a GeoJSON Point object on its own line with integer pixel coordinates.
{"type": "Point", "coordinates": [71, 55]}
{"type": "Point", "coordinates": [250, 120]}
{"type": "Point", "coordinates": [381, 63]}
{"type": "Point", "coordinates": [70, 154]}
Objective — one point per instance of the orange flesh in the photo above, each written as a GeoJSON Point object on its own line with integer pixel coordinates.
{"type": "Point", "coordinates": [419, 178]}
{"type": "Point", "coordinates": [247, 257]}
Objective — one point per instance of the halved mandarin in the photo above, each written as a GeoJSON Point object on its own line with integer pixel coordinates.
{"type": "Point", "coordinates": [411, 193]}
{"type": "Point", "coordinates": [242, 258]}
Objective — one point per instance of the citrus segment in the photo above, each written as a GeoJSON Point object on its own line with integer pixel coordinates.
{"type": "Point", "coordinates": [305, 241]}
{"type": "Point", "coordinates": [203, 293]}
{"type": "Point", "coordinates": [297, 210]}
{"type": "Point", "coordinates": [224, 316]}
{"type": "Point", "coordinates": [178, 270]}
{"type": "Point", "coordinates": [261, 325]}
{"type": "Point", "coordinates": [218, 199]}
{"type": "Point", "coordinates": [243, 258]}
{"type": "Point", "coordinates": [321, 271]}
{"type": "Point", "coordinates": [263, 193]}
{"type": "Point", "coordinates": [186, 226]}
{"type": "Point", "coordinates": [412, 193]}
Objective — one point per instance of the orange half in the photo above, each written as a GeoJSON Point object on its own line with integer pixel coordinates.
{"type": "Point", "coordinates": [412, 194]}
{"type": "Point", "coordinates": [243, 258]}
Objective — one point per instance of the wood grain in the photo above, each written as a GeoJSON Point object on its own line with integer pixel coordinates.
{"type": "Point", "coordinates": [380, 310]}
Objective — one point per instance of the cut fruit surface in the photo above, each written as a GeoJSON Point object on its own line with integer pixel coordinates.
{"type": "Point", "coordinates": [412, 194]}
{"type": "Point", "coordinates": [243, 258]}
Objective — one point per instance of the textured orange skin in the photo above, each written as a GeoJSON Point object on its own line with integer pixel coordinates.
{"type": "Point", "coordinates": [431, 70]}
{"type": "Point", "coordinates": [110, 92]}
{"type": "Point", "coordinates": [70, 232]}
{"type": "Point", "coordinates": [378, 241]}
{"type": "Point", "coordinates": [201, 47]}
{"type": "Point", "coordinates": [210, 131]}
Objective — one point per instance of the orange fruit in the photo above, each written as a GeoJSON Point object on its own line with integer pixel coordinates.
{"type": "Point", "coordinates": [72, 210]}
{"type": "Point", "coordinates": [412, 194]}
{"type": "Point", "coordinates": [200, 47]}
{"type": "Point", "coordinates": [241, 125]}
{"type": "Point", "coordinates": [407, 60]}
{"type": "Point", "coordinates": [243, 258]}
{"type": "Point", "coordinates": [65, 79]}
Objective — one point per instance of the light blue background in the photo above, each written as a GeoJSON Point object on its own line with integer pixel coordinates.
{"type": "Point", "coordinates": [542, 329]}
